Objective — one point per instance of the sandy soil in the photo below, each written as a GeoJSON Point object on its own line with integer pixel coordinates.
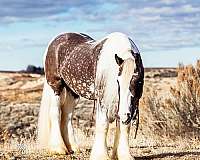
{"type": "Point", "coordinates": [20, 96]}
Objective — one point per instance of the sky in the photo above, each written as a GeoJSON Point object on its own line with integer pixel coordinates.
{"type": "Point", "coordinates": [167, 32]}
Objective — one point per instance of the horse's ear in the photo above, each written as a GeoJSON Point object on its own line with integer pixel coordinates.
{"type": "Point", "coordinates": [118, 60]}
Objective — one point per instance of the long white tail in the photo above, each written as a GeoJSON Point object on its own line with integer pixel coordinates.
{"type": "Point", "coordinates": [44, 119]}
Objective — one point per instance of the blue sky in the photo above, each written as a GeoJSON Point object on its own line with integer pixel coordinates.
{"type": "Point", "coordinates": [166, 31]}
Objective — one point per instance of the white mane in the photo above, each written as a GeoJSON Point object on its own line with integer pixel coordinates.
{"type": "Point", "coordinates": [107, 68]}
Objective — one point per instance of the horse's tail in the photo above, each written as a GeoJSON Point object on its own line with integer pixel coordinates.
{"type": "Point", "coordinates": [44, 119]}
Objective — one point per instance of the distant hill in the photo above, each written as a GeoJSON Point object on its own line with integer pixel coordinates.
{"type": "Point", "coordinates": [34, 69]}
{"type": "Point", "coordinates": [149, 72]}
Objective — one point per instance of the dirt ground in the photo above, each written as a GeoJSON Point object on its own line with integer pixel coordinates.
{"type": "Point", "coordinates": [20, 96]}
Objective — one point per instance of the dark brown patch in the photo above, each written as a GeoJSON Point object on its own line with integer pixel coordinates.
{"type": "Point", "coordinates": [119, 60]}
{"type": "Point", "coordinates": [79, 69]}
{"type": "Point", "coordinates": [72, 58]}
{"type": "Point", "coordinates": [137, 81]}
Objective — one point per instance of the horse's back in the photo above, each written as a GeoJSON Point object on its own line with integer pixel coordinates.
{"type": "Point", "coordinates": [62, 46]}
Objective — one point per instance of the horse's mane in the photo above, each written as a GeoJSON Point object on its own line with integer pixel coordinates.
{"type": "Point", "coordinates": [108, 69]}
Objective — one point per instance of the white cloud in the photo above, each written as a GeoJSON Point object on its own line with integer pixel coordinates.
{"type": "Point", "coordinates": [150, 18]}
{"type": "Point", "coordinates": [166, 10]}
{"type": "Point", "coordinates": [168, 2]}
{"type": "Point", "coordinates": [189, 9]}
{"type": "Point", "coordinates": [159, 24]}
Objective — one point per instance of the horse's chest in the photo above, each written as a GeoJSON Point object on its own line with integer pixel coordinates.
{"type": "Point", "coordinates": [78, 72]}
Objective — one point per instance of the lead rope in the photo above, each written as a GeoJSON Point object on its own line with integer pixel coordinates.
{"type": "Point", "coordinates": [137, 122]}
{"type": "Point", "coordinates": [116, 115]}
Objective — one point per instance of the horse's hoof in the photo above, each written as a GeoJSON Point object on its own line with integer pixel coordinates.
{"type": "Point", "coordinates": [58, 151]}
{"type": "Point", "coordinates": [73, 148]}
{"type": "Point", "coordinates": [76, 148]}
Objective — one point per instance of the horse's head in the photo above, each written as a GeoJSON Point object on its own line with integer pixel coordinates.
{"type": "Point", "coordinates": [130, 86]}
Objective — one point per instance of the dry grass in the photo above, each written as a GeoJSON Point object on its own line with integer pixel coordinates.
{"type": "Point", "coordinates": [24, 148]}
{"type": "Point", "coordinates": [177, 114]}
{"type": "Point", "coordinates": [20, 88]}
{"type": "Point", "coordinates": [169, 117]}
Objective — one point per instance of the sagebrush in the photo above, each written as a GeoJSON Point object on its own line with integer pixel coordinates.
{"type": "Point", "coordinates": [179, 112]}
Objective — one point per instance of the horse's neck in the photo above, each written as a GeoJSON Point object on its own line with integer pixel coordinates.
{"type": "Point", "coordinates": [107, 67]}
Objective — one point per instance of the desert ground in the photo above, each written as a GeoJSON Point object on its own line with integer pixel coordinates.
{"type": "Point", "coordinates": [158, 137]}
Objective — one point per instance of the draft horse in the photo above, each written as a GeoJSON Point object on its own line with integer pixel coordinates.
{"type": "Point", "coordinates": [109, 71]}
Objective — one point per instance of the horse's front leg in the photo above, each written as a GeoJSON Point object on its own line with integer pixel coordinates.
{"type": "Point", "coordinates": [116, 141]}
{"type": "Point", "coordinates": [121, 144]}
{"type": "Point", "coordinates": [56, 143]}
{"type": "Point", "coordinates": [99, 149]}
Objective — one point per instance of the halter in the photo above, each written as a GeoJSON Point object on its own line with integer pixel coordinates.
{"type": "Point", "coordinates": [137, 116]}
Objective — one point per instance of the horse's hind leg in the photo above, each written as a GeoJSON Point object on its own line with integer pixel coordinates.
{"type": "Point", "coordinates": [56, 143]}
{"type": "Point", "coordinates": [67, 130]}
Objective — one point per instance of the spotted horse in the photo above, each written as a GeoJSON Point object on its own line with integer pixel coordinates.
{"type": "Point", "coordinates": [108, 71]}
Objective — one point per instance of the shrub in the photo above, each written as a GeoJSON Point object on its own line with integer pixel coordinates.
{"type": "Point", "coordinates": [178, 114]}
{"type": "Point", "coordinates": [186, 98]}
